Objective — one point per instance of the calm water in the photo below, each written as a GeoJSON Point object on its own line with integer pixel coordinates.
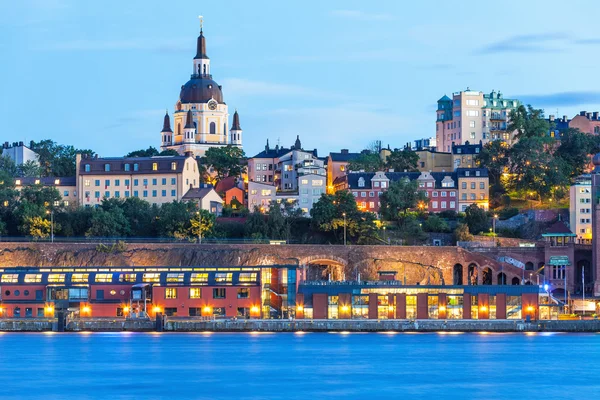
{"type": "Point", "coordinates": [299, 366]}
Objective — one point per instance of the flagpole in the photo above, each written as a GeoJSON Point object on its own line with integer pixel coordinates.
{"type": "Point", "coordinates": [583, 284]}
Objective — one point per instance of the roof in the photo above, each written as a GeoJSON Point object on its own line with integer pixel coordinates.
{"type": "Point", "coordinates": [467, 148]}
{"type": "Point", "coordinates": [272, 153]}
{"type": "Point", "coordinates": [189, 121]}
{"type": "Point", "coordinates": [445, 98]}
{"type": "Point", "coordinates": [236, 122]}
{"type": "Point", "coordinates": [352, 178]}
{"type": "Point", "coordinates": [201, 47]}
{"type": "Point", "coordinates": [48, 181]}
{"type": "Point", "coordinates": [559, 228]}
{"type": "Point", "coordinates": [117, 165]}
{"type": "Point", "coordinates": [343, 157]}
{"type": "Point", "coordinates": [462, 172]}
{"type": "Point", "coordinates": [167, 123]}
{"type": "Point", "coordinates": [198, 193]}
{"type": "Point", "coordinates": [225, 184]}
{"type": "Point", "coordinates": [200, 89]}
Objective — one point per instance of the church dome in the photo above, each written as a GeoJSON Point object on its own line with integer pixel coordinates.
{"type": "Point", "coordinates": [200, 90]}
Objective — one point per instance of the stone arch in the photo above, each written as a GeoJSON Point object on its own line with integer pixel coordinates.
{"type": "Point", "coordinates": [528, 266]}
{"type": "Point", "coordinates": [473, 274]}
{"type": "Point", "coordinates": [501, 278]}
{"type": "Point", "coordinates": [515, 281]}
{"type": "Point", "coordinates": [457, 274]}
{"type": "Point", "coordinates": [324, 267]}
{"type": "Point", "coordinates": [487, 276]}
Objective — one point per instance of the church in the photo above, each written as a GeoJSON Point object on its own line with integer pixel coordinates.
{"type": "Point", "coordinates": [201, 117]}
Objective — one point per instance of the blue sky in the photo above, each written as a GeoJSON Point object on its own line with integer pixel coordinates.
{"type": "Point", "coordinates": [340, 74]}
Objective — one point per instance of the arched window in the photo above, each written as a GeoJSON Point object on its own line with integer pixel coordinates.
{"type": "Point", "coordinates": [213, 128]}
{"type": "Point", "coordinates": [179, 129]}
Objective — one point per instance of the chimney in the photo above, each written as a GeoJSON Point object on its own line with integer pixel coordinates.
{"type": "Point", "coordinates": [551, 117]}
{"type": "Point", "coordinates": [595, 114]}
{"type": "Point", "coordinates": [564, 118]}
{"type": "Point", "coordinates": [582, 113]}
{"type": "Point", "coordinates": [21, 144]}
{"type": "Point", "coordinates": [344, 151]}
{"type": "Point", "coordinates": [188, 154]}
{"type": "Point", "coordinates": [588, 115]}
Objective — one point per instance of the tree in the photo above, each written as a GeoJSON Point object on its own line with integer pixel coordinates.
{"type": "Point", "coordinates": [401, 160]}
{"type": "Point", "coordinates": [575, 150]}
{"type": "Point", "coordinates": [495, 157]}
{"type": "Point", "coordinates": [461, 233]}
{"type": "Point", "coordinates": [109, 220]}
{"type": "Point", "coordinates": [173, 219]}
{"type": "Point", "coordinates": [528, 122]}
{"type": "Point", "coordinates": [8, 202]}
{"type": "Point", "coordinates": [30, 169]}
{"type": "Point", "coordinates": [412, 231]}
{"type": "Point", "coordinates": [56, 159]}
{"type": "Point", "coordinates": [476, 219]}
{"type": "Point", "coordinates": [225, 161]}
{"type": "Point", "coordinates": [256, 225]}
{"type": "Point", "coordinates": [140, 215]}
{"type": "Point", "coordinates": [35, 201]}
{"type": "Point", "coordinates": [369, 162]}
{"type": "Point", "coordinates": [202, 222]}
{"type": "Point", "coordinates": [38, 227]}
{"type": "Point", "coordinates": [149, 152]}
{"type": "Point", "coordinates": [8, 166]}
{"type": "Point", "coordinates": [402, 196]}
{"type": "Point", "coordinates": [436, 224]}
{"type": "Point", "coordinates": [168, 152]}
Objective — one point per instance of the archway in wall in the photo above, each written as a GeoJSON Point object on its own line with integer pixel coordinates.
{"type": "Point", "coordinates": [528, 266]}
{"type": "Point", "coordinates": [325, 269]}
{"type": "Point", "coordinates": [472, 274]}
{"type": "Point", "coordinates": [486, 276]}
{"type": "Point", "coordinates": [515, 281]}
{"type": "Point", "coordinates": [457, 274]}
{"type": "Point", "coordinates": [501, 278]}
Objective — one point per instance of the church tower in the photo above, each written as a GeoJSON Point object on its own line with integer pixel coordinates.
{"type": "Point", "coordinates": [166, 133]}
{"type": "Point", "coordinates": [236, 131]}
{"type": "Point", "coordinates": [201, 104]}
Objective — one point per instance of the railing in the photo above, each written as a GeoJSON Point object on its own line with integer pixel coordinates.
{"type": "Point", "coordinates": [201, 76]}
{"type": "Point", "coordinates": [498, 117]}
{"type": "Point", "coordinates": [349, 283]}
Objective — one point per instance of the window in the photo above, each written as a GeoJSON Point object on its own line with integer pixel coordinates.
{"type": "Point", "coordinates": [173, 181]}
{"type": "Point", "coordinates": [97, 195]}
{"type": "Point", "coordinates": [127, 182]}
{"type": "Point", "coordinates": [106, 167]}
{"type": "Point", "coordinates": [464, 185]}
{"type": "Point", "coordinates": [107, 182]}
{"type": "Point", "coordinates": [117, 194]}
{"type": "Point", "coordinates": [103, 278]}
{"type": "Point", "coordinates": [127, 167]}
{"type": "Point", "coordinates": [472, 135]}
{"type": "Point", "coordinates": [163, 193]}
{"type": "Point", "coordinates": [243, 293]}
{"type": "Point", "coordinates": [435, 194]}
{"type": "Point", "coordinates": [371, 194]}
{"type": "Point", "coordinates": [219, 293]}
{"type": "Point", "coordinates": [472, 124]}
{"type": "Point", "coordinates": [154, 193]}
{"type": "Point", "coordinates": [86, 182]}
{"type": "Point", "coordinates": [472, 113]}
{"type": "Point", "coordinates": [107, 194]}
{"type": "Point", "coordinates": [154, 181]}
{"type": "Point", "coordinates": [473, 196]}
{"type": "Point", "coordinates": [434, 204]}
{"type": "Point", "coordinates": [195, 293]}
{"type": "Point", "coordinates": [223, 277]}
{"type": "Point", "coordinates": [127, 277]}
{"type": "Point", "coordinates": [199, 277]}
{"type": "Point", "coordinates": [174, 278]}
{"type": "Point", "coordinates": [54, 278]}
{"type": "Point", "coordinates": [170, 293]}
{"type": "Point", "coordinates": [376, 184]}
{"type": "Point", "coordinates": [443, 204]}
{"type": "Point", "coordinates": [173, 193]}
{"type": "Point", "coordinates": [361, 182]}
{"type": "Point", "coordinates": [135, 193]}
{"type": "Point", "coordinates": [471, 102]}
{"type": "Point", "coordinates": [151, 278]}
{"type": "Point", "coordinates": [363, 194]}
{"type": "Point", "coordinates": [10, 278]}
{"type": "Point", "coordinates": [99, 295]}
{"type": "Point", "coordinates": [33, 278]}
{"type": "Point", "coordinates": [87, 168]}
{"type": "Point", "coordinates": [371, 204]}
{"type": "Point", "coordinates": [383, 184]}
{"type": "Point", "coordinates": [154, 166]}
{"type": "Point", "coordinates": [452, 204]}
{"type": "Point", "coordinates": [477, 173]}
{"type": "Point", "coordinates": [173, 166]}
{"type": "Point", "coordinates": [472, 185]}
{"type": "Point", "coordinates": [443, 194]}
{"type": "Point", "coordinates": [136, 167]}
{"type": "Point", "coordinates": [463, 196]}
{"type": "Point", "coordinates": [135, 182]}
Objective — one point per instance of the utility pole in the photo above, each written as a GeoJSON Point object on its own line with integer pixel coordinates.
{"type": "Point", "coordinates": [344, 214]}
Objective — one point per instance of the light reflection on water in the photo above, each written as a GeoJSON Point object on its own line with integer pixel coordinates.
{"type": "Point", "coordinates": [298, 366]}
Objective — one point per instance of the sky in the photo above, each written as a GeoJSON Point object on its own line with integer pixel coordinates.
{"type": "Point", "coordinates": [339, 74]}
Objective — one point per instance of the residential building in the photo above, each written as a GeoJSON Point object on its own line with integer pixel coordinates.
{"type": "Point", "coordinates": [158, 180]}
{"type": "Point", "coordinates": [311, 186]}
{"type": "Point", "coordinates": [426, 144]}
{"type": "Point", "coordinates": [464, 155]}
{"type": "Point", "coordinates": [587, 122]}
{"type": "Point", "coordinates": [296, 163]}
{"type": "Point", "coordinates": [206, 198]}
{"type": "Point", "coordinates": [201, 117]}
{"type": "Point", "coordinates": [337, 165]}
{"type": "Point", "coordinates": [235, 194]}
{"type": "Point", "coordinates": [261, 195]}
{"type": "Point", "coordinates": [433, 161]}
{"type": "Point", "coordinates": [473, 116]}
{"type": "Point", "coordinates": [19, 153]}
{"type": "Point", "coordinates": [367, 187]}
{"type": "Point", "coordinates": [65, 185]}
{"type": "Point", "coordinates": [261, 167]}
{"type": "Point", "coordinates": [473, 187]}
{"type": "Point", "coordinates": [580, 209]}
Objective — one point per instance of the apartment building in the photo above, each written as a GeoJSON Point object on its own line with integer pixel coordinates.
{"type": "Point", "coordinates": [262, 167]}
{"type": "Point", "coordinates": [337, 165]}
{"type": "Point", "coordinates": [580, 208]}
{"type": "Point", "coordinates": [473, 187]}
{"type": "Point", "coordinates": [65, 186]}
{"type": "Point", "coordinates": [158, 180]}
{"type": "Point", "coordinates": [465, 155]}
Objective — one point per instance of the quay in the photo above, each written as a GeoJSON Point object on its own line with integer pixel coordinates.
{"type": "Point", "coordinates": [324, 325]}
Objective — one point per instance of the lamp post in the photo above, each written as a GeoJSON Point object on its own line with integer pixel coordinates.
{"type": "Point", "coordinates": [344, 214]}
{"type": "Point", "coordinates": [494, 223]}
{"type": "Point", "coordinates": [384, 239]}
{"type": "Point", "coordinates": [199, 227]}
{"type": "Point", "coordinates": [51, 212]}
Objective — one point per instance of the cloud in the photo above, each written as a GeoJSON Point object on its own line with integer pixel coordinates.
{"type": "Point", "coordinates": [362, 15]}
{"type": "Point", "coordinates": [542, 42]}
{"type": "Point", "coordinates": [563, 99]}
{"type": "Point", "coordinates": [246, 87]}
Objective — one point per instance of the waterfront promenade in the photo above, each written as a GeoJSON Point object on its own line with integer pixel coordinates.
{"type": "Point", "coordinates": [196, 325]}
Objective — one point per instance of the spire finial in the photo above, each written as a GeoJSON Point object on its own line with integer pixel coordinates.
{"type": "Point", "coordinates": [201, 18]}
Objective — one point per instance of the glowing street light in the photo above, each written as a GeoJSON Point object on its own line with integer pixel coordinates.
{"type": "Point", "coordinates": [344, 214]}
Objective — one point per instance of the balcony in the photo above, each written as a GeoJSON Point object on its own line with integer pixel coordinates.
{"type": "Point", "coordinates": [497, 117]}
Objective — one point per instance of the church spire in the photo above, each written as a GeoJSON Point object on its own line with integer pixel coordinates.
{"type": "Point", "coordinates": [236, 122]}
{"type": "Point", "coordinates": [297, 144]}
{"type": "Point", "coordinates": [167, 123]}
{"type": "Point", "coordinates": [189, 123]}
{"type": "Point", "coordinates": [201, 47]}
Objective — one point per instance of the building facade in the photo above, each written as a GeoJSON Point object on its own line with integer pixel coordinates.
{"type": "Point", "coordinates": [580, 209]}
{"type": "Point", "coordinates": [65, 186]}
{"type": "Point", "coordinates": [206, 198]}
{"type": "Point", "coordinates": [465, 155]}
{"type": "Point", "coordinates": [434, 161]}
{"type": "Point", "coordinates": [337, 165]}
{"type": "Point", "coordinates": [473, 188]}
{"type": "Point", "coordinates": [473, 116]}
{"type": "Point", "coordinates": [19, 153]}
{"type": "Point", "coordinates": [263, 166]}
{"type": "Point", "coordinates": [201, 117]}
{"type": "Point", "coordinates": [157, 179]}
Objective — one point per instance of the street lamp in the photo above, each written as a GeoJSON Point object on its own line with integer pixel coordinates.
{"type": "Point", "coordinates": [199, 227]}
{"type": "Point", "coordinates": [344, 214]}
{"type": "Point", "coordinates": [384, 239]}
{"type": "Point", "coordinates": [51, 225]}
{"type": "Point", "coordinates": [494, 223]}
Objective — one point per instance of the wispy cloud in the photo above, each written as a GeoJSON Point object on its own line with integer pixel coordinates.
{"type": "Point", "coordinates": [561, 99]}
{"type": "Point", "coordinates": [531, 43]}
{"type": "Point", "coordinates": [362, 15]}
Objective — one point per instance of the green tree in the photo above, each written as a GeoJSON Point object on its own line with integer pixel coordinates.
{"type": "Point", "coordinates": [35, 201]}
{"type": "Point", "coordinates": [30, 169]}
{"type": "Point", "coordinates": [8, 166]}
{"type": "Point", "coordinates": [436, 224]}
{"type": "Point", "coordinates": [202, 222]}
{"type": "Point", "coordinates": [225, 161]}
{"type": "Point", "coordinates": [56, 159]}
{"type": "Point", "coordinates": [461, 233]}
{"type": "Point", "coordinates": [575, 150]}
{"type": "Point", "coordinates": [402, 160]}
{"type": "Point", "coordinates": [401, 197]}
{"type": "Point", "coordinates": [139, 214]}
{"type": "Point", "coordinates": [476, 219]}
{"type": "Point", "coordinates": [369, 162]}
{"type": "Point", "coordinates": [412, 231]}
{"type": "Point", "coordinates": [38, 227]}
{"type": "Point", "coordinates": [495, 157]}
{"type": "Point", "coordinates": [528, 122]}
{"type": "Point", "coordinates": [151, 152]}
{"type": "Point", "coordinates": [256, 225]}
{"type": "Point", "coordinates": [109, 220]}
{"type": "Point", "coordinates": [173, 219]}
{"type": "Point", "coordinates": [8, 203]}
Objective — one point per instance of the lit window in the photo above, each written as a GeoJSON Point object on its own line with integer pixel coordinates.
{"type": "Point", "coordinates": [247, 277]}
{"type": "Point", "coordinates": [223, 277]}
{"type": "Point", "coordinates": [10, 278]}
{"type": "Point", "coordinates": [57, 181]}
{"type": "Point", "coordinates": [243, 293]}
{"type": "Point", "coordinates": [173, 166]}
{"type": "Point", "coordinates": [151, 277]}
{"type": "Point", "coordinates": [174, 278]}
{"type": "Point", "coordinates": [33, 278]}
{"type": "Point", "coordinates": [79, 278]}
{"type": "Point", "coordinates": [170, 293]}
{"type": "Point", "coordinates": [195, 293]}
{"type": "Point", "coordinates": [37, 181]}
{"type": "Point", "coordinates": [154, 166]}
{"type": "Point", "coordinates": [199, 278]}
{"type": "Point", "coordinates": [127, 277]}
{"type": "Point", "coordinates": [104, 278]}
{"type": "Point", "coordinates": [56, 278]}
{"type": "Point", "coordinates": [18, 182]}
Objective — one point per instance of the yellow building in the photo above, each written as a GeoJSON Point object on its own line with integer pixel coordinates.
{"type": "Point", "coordinates": [337, 164]}
{"type": "Point", "coordinates": [157, 179]}
{"type": "Point", "coordinates": [433, 161]}
{"type": "Point", "coordinates": [201, 118]}
{"type": "Point", "coordinates": [65, 186]}
{"type": "Point", "coordinates": [473, 187]}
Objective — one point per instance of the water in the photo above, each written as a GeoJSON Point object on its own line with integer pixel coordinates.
{"type": "Point", "coordinates": [298, 366]}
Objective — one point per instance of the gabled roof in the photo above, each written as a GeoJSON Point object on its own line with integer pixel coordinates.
{"type": "Point", "coordinates": [199, 193]}
{"type": "Point", "coordinates": [272, 153]}
{"type": "Point", "coordinates": [225, 184]}
{"type": "Point", "coordinates": [343, 157]}
{"type": "Point", "coordinates": [462, 172]}
{"type": "Point", "coordinates": [445, 98]}
{"type": "Point", "coordinates": [559, 228]}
